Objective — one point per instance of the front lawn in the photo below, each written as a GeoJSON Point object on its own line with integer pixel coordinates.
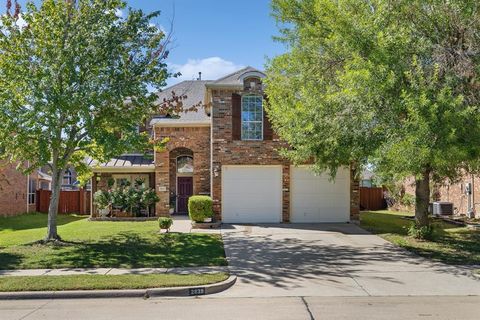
{"type": "Point", "coordinates": [105, 282]}
{"type": "Point", "coordinates": [103, 244]}
{"type": "Point", "coordinates": [451, 244]}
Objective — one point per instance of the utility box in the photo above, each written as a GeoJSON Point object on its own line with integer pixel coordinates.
{"type": "Point", "coordinates": [442, 208]}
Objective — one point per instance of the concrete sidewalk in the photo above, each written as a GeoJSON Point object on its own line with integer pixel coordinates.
{"type": "Point", "coordinates": [111, 271]}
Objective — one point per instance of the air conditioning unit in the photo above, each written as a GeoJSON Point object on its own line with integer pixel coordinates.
{"type": "Point", "coordinates": [442, 208]}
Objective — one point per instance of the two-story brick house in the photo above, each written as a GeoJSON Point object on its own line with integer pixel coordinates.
{"type": "Point", "coordinates": [227, 149]}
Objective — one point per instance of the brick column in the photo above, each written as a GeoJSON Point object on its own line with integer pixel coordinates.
{"type": "Point", "coordinates": [162, 182]}
{"type": "Point", "coordinates": [354, 196]}
{"type": "Point", "coordinates": [217, 190]}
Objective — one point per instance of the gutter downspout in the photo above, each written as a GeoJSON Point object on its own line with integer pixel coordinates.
{"type": "Point", "coordinates": [211, 141]}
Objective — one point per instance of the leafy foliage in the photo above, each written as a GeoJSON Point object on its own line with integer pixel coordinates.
{"type": "Point", "coordinates": [200, 208]}
{"type": "Point", "coordinates": [420, 232]}
{"type": "Point", "coordinates": [165, 223]}
{"type": "Point", "coordinates": [75, 82]}
{"type": "Point", "coordinates": [394, 84]}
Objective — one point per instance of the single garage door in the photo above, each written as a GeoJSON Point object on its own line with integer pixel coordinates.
{"type": "Point", "coordinates": [252, 194]}
{"type": "Point", "coordinates": [316, 199]}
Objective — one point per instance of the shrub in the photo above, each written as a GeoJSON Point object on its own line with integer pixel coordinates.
{"type": "Point", "coordinates": [407, 200]}
{"type": "Point", "coordinates": [101, 199]}
{"type": "Point", "coordinates": [200, 208]}
{"type": "Point", "coordinates": [165, 223]}
{"type": "Point", "coordinates": [422, 233]}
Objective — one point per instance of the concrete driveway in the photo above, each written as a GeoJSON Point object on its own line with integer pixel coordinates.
{"type": "Point", "coordinates": [332, 260]}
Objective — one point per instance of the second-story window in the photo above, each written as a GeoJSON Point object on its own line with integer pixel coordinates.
{"type": "Point", "coordinates": [67, 177]}
{"type": "Point", "coordinates": [252, 117]}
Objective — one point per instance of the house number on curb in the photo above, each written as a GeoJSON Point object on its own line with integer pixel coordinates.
{"type": "Point", "coordinates": [196, 292]}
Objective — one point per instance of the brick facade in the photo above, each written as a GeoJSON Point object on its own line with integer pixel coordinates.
{"type": "Point", "coordinates": [13, 191]}
{"type": "Point", "coordinates": [227, 151]}
{"type": "Point", "coordinates": [191, 140]}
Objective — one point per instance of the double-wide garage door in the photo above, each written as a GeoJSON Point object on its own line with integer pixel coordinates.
{"type": "Point", "coordinates": [253, 194]}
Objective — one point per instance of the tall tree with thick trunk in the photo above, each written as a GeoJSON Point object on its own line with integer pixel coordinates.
{"type": "Point", "coordinates": [389, 83]}
{"type": "Point", "coordinates": [75, 82]}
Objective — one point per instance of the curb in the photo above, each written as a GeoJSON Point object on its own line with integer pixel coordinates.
{"type": "Point", "coordinates": [137, 293]}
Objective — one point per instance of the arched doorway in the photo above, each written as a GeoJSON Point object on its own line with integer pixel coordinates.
{"type": "Point", "coordinates": [181, 179]}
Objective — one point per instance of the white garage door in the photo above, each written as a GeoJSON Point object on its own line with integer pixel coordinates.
{"type": "Point", "coordinates": [252, 194]}
{"type": "Point", "coordinates": [316, 199]}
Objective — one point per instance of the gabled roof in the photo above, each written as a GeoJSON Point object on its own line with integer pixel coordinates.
{"type": "Point", "coordinates": [236, 78]}
{"type": "Point", "coordinates": [195, 92]}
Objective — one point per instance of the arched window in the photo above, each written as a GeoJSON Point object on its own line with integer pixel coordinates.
{"type": "Point", "coordinates": [252, 117]}
{"type": "Point", "coordinates": [67, 177]}
{"type": "Point", "coordinates": [185, 164]}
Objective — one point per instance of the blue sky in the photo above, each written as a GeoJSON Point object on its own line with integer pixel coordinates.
{"type": "Point", "coordinates": [215, 37]}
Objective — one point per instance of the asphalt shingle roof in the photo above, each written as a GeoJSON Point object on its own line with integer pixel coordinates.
{"type": "Point", "coordinates": [195, 92]}
{"type": "Point", "coordinates": [235, 78]}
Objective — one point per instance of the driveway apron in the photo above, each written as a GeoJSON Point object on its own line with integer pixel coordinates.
{"type": "Point", "coordinates": [332, 260]}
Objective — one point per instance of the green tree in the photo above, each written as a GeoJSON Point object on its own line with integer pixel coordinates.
{"type": "Point", "coordinates": [394, 83]}
{"type": "Point", "coordinates": [74, 82]}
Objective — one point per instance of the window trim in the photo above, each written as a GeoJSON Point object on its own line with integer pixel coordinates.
{"type": "Point", "coordinates": [32, 195]}
{"type": "Point", "coordinates": [67, 175]}
{"type": "Point", "coordinates": [257, 121]}
{"type": "Point", "coordinates": [184, 174]}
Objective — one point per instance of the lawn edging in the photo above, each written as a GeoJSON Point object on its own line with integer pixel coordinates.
{"type": "Point", "coordinates": [189, 291]}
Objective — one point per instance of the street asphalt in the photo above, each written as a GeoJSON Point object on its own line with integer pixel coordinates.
{"type": "Point", "coordinates": [268, 308]}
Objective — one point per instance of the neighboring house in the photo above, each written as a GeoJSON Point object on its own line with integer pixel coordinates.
{"type": "Point", "coordinates": [455, 193]}
{"type": "Point", "coordinates": [18, 191]}
{"type": "Point", "coordinates": [69, 179]}
{"type": "Point", "coordinates": [367, 179]}
{"type": "Point", "coordinates": [227, 149]}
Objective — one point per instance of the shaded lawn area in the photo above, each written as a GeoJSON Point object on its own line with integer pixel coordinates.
{"type": "Point", "coordinates": [450, 244]}
{"type": "Point", "coordinates": [103, 244]}
{"type": "Point", "coordinates": [105, 282]}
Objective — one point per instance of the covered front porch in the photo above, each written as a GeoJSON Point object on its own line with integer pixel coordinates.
{"type": "Point", "coordinates": [123, 177]}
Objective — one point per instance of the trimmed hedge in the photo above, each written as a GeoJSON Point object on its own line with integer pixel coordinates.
{"type": "Point", "coordinates": [200, 208]}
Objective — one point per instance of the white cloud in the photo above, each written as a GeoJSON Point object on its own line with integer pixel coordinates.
{"type": "Point", "coordinates": [211, 68]}
{"type": "Point", "coordinates": [119, 13]}
{"type": "Point", "coordinates": [21, 23]}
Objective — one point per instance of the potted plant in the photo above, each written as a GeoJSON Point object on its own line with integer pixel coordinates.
{"type": "Point", "coordinates": [165, 223]}
{"type": "Point", "coordinates": [102, 200]}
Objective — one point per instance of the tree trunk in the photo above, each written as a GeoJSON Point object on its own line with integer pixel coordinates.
{"type": "Point", "coordinates": [422, 199]}
{"type": "Point", "coordinates": [52, 234]}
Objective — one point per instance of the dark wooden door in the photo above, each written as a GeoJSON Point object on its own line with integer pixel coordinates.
{"type": "Point", "coordinates": [184, 191]}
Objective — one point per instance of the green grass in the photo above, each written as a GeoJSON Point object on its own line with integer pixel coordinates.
{"type": "Point", "coordinates": [102, 244]}
{"type": "Point", "coordinates": [450, 243]}
{"type": "Point", "coordinates": [105, 282]}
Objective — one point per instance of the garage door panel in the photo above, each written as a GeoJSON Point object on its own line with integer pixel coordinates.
{"type": "Point", "coordinates": [251, 194]}
{"type": "Point", "coordinates": [314, 198]}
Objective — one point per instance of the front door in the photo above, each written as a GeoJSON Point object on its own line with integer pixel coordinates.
{"type": "Point", "coordinates": [184, 191]}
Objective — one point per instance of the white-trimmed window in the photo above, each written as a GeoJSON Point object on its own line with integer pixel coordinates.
{"type": "Point", "coordinates": [67, 177]}
{"type": "Point", "coordinates": [185, 164]}
{"type": "Point", "coordinates": [252, 117]}
{"type": "Point", "coordinates": [32, 190]}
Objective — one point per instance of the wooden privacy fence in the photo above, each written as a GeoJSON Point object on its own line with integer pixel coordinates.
{"type": "Point", "coordinates": [75, 201]}
{"type": "Point", "coordinates": [371, 198]}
